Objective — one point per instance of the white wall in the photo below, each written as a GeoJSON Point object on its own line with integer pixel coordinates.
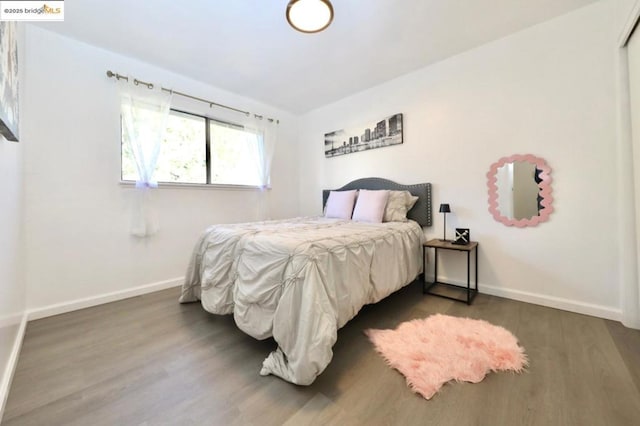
{"type": "Point", "coordinates": [548, 91]}
{"type": "Point", "coordinates": [626, 16]}
{"type": "Point", "coordinates": [77, 218]}
{"type": "Point", "coordinates": [12, 286]}
{"type": "Point", "coordinates": [12, 289]}
{"type": "Point", "coordinates": [622, 13]}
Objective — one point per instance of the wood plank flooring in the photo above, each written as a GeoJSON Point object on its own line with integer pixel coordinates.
{"type": "Point", "coordinates": [151, 361]}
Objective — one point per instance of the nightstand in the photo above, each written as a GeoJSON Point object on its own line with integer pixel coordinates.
{"type": "Point", "coordinates": [428, 288]}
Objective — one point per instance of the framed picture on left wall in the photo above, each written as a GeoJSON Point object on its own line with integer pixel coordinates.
{"type": "Point", "coordinates": [9, 81]}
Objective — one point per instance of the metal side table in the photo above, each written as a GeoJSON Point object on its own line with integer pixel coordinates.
{"type": "Point", "coordinates": [427, 288]}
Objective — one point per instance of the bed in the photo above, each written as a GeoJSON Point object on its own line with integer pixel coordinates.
{"type": "Point", "coordinates": [302, 279]}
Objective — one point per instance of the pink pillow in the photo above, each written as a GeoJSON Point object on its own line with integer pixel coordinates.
{"type": "Point", "coordinates": [370, 206]}
{"type": "Point", "coordinates": [340, 204]}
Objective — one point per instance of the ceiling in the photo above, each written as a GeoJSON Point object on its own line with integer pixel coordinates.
{"type": "Point", "coordinates": [247, 47]}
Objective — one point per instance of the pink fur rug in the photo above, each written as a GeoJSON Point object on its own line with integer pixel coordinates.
{"type": "Point", "coordinates": [429, 352]}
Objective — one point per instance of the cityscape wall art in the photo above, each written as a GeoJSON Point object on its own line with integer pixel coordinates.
{"type": "Point", "coordinates": [376, 134]}
{"type": "Point", "coordinates": [8, 81]}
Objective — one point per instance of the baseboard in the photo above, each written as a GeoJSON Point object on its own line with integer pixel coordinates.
{"type": "Point", "coordinates": [555, 302]}
{"type": "Point", "coordinates": [87, 302]}
{"type": "Point", "coordinates": [545, 300]}
{"type": "Point", "coordinates": [7, 375]}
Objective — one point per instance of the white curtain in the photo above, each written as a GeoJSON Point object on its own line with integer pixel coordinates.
{"type": "Point", "coordinates": [266, 131]}
{"type": "Point", "coordinates": [144, 110]}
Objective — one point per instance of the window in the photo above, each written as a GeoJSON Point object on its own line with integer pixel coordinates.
{"type": "Point", "coordinates": [235, 155]}
{"type": "Point", "coordinates": [226, 154]}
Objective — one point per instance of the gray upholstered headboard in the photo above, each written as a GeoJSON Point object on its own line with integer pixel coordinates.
{"type": "Point", "coordinates": [421, 211]}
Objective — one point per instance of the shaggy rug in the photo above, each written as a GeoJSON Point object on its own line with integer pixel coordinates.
{"type": "Point", "coordinates": [429, 352]}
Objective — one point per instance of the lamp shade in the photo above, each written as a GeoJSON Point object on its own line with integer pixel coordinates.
{"type": "Point", "coordinates": [309, 16]}
{"type": "Point", "coordinates": [444, 208]}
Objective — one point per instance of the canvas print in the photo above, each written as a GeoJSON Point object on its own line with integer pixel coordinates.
{"type": "Point", "coordinates": [378, 134]}
{"type": "Point", "coordinates": [9, 81]}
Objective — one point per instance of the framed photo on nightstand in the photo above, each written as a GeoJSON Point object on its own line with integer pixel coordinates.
{"type": "Point", "coordinates": [463, 236]}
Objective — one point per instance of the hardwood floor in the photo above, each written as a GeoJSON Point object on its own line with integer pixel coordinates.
{"type": "Point", "coordinates": [151, 361]}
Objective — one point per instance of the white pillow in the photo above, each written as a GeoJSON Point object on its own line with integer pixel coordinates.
{"type": "Point", "coordinates": [400, 202]}
{"type": "Point", "coordinates": [370, 206]}
{"type": "Point", "coordinates": [411, 200]}
{"type": "Point", "coordinates": [340, 204]}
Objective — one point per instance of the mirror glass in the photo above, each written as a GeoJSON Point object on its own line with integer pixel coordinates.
{"type": "Point", "coordinates": [520, 190]}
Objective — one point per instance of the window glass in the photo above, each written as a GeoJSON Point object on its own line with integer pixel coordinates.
{"type": "Point", "coordinates": [235, 155]}
{"type": "Point", "coordinates": [183, 151]}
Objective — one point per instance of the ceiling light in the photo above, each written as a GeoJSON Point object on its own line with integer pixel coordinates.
{"type": "Point", "coordinates": [309, 16]}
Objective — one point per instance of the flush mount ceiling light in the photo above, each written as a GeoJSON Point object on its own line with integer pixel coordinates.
{"type": "Point", "coordinates": [309, 16]}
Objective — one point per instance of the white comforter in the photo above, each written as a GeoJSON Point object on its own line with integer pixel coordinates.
{"type": "Point", "coordinates": [300, 280]}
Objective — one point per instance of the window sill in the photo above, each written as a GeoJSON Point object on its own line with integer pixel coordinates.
{"type": "Point", "coordinates": [174, 185]}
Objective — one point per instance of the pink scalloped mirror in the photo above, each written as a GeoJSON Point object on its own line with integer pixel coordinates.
{"type": "Point", "coordinates": [520, 190]}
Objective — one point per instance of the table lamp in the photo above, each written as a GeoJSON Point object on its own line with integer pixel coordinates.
{"type": "Point", "coordinates": [444, 208]}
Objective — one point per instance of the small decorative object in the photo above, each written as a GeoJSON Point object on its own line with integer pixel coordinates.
{"type": "Point", "coordinates": [309, 16]}
{"type": "Point", "coordinates": [463, 237]}
{"type": "Point", "coordinates": [375, 134]}
{"type": "Point", "coordinates": [444, 208]}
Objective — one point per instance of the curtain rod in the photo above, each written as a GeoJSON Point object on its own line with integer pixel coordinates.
{"type": "Point", "coordinates": [117, 76]}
